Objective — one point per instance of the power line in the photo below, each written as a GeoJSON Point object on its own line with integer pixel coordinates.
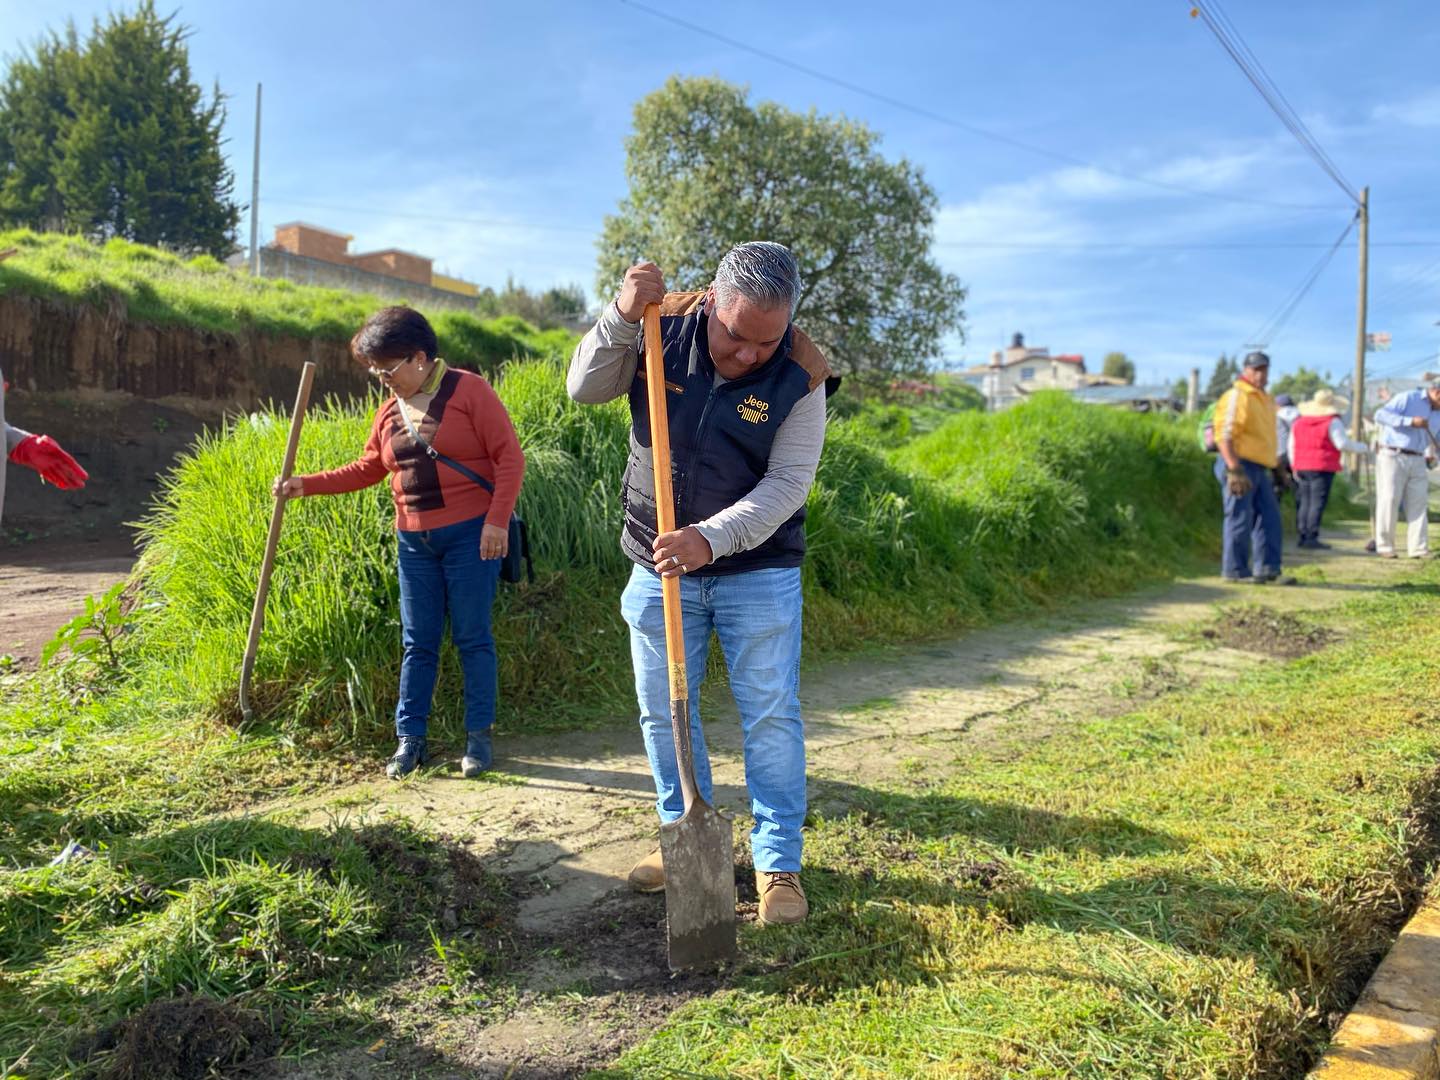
{"type": "Point", "coordinates": [1411, 284]}
{"type": "Point", "coordinates": [1395, 370]}
{"type": "Point", "coordinates": [1121, 245]}
{"type": "Point", "coordinates": [949, 121]}
{"type": "Point", "coordinates": [1272, 326]}
{"type": "Point", "coordinates": [1254, 72]}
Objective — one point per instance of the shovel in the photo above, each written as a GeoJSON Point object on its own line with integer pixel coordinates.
{"type": "Point", "coordinates": [698, 848]}
{"type": "Point", "coordinates": [277, 516]}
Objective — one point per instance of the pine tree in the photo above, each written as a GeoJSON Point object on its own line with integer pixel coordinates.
{"type": "Point", "coordinates": [1227, 370]}
{"type": "Point", "coordinates": [115, 139]}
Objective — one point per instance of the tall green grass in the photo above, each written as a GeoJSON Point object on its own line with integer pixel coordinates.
{"type": "Point", "coordinates": [202, 293]}
{"type": "Point", "coordinates": [988, 515]}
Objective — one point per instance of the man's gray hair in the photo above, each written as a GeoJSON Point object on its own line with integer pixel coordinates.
{"type": "Point", "coordinates": [761, 271]}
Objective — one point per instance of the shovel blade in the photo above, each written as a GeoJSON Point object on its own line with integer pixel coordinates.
{"type": "Point", "coordinates": [699, 887]}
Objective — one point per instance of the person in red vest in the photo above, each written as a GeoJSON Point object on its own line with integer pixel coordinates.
{"type": "Point", "coordinates": [1317, 439]}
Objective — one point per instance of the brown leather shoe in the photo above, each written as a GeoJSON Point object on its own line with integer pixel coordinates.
{"type": "Point", "coordinates": [648, 875]}
{"type": "Point", "coordinates": [782, 900]}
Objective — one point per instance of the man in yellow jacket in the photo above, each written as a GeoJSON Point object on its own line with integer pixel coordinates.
{"type": "Point", "coordinates": [1246, 435]}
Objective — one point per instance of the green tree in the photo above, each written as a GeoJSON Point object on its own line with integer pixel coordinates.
{"type": "Point", "coordinates": [708, 170]}
{"type": "Point", "coordinates": [113, 138]}
{"type": "Point", "coordinates": [34, 110]}
{"type": "Point", "coordinates": [563, 305]}
{"type": "Point", "coordinates": [1181, 390]}
{"type": "Point", "coordinates": [1301, 384]}
{"type": "Point", "coordinates": [1227, 370]}
{"type": "Point", "coordinates": [1119, 366]}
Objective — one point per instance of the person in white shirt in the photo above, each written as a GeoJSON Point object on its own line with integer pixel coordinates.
{"type": "Point", "coordinates": [1401, 476]}
{"type": "Point", "coordinates": [1316, 441]}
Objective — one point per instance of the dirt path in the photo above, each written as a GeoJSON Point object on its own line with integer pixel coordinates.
{"type": "Point", "coordinates": [44, 584]}
{"type": "Point", "coordinates": [564, 819]}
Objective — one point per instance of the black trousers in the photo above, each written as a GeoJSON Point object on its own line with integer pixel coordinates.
{"type": "Point", "coordinates": [1311, 494]}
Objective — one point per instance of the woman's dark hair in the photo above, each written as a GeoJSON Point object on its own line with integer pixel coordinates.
{"type": "Point", "coordinates": [394, 333]}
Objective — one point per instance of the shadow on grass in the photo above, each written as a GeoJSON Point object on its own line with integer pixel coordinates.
{"type": "Point", "coordinates": [1013, 827]}
{"type": "Point", "coordinates": [873, 854]}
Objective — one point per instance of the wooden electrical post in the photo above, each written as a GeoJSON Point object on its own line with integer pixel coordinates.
{"type": "Point", "coordinates": [1357, 390]}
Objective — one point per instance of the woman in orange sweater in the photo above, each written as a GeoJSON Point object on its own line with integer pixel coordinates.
{"type": "Point", "coordinates": [453, 530]}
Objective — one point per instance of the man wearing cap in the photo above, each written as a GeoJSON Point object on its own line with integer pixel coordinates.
{"type": "Point", "coordinates": [1317, 439]}
{"type": "Point", "coordinates": [1246, 432]}
{"type": "Point", "coordinates": [1400, 474]}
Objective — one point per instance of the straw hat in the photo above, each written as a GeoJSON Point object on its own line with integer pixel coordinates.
{"type": "Point", "coordinates": [1325, 403]}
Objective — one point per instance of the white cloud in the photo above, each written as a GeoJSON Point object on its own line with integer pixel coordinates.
{"type": "Point", "coordinates": [1423, 111]}
{"type": "Point", "coordinates": [460, 225]}
{"type": "Point", "coordinates": [1046, 256]}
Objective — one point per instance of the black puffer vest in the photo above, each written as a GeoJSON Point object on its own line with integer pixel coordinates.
{"type": "Point", "coordinates": [720, 436]}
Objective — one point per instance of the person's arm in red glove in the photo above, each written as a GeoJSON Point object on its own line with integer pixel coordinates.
{"type": "Point", "coordinates": [45, 456]}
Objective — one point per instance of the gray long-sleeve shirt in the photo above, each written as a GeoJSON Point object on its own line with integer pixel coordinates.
{"type": "Point", "coordinates": [13, 435]}
{"type": "Point", "coordinates": [603, 368]}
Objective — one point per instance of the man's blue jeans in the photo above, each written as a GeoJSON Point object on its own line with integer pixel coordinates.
{"type": "Point", "coordinates": [1252, 524]}
{"type": "Point", "coordinates": [756, 616]}
{"type": "Point", "coordinates": [441, 572]}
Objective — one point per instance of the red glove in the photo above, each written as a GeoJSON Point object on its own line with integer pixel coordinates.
{"type": "Point", "coordinates": [55, 466]}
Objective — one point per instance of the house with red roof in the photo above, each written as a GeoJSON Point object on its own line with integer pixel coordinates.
{"type": "Point", "coordinates": [1020, 369]}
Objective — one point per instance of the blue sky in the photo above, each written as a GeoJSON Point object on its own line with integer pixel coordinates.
{"type": "Point", "coordinates": [490, 136]}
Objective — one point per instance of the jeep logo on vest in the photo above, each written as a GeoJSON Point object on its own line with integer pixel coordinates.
{"type": "Point", "coordinates": [754, 410]}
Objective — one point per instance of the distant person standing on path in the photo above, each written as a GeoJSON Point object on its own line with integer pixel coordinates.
{"type": "Point", "coordinates": [453, 525]}
{"type": "Point", "coordinates": [1400, 473]}
{"type": "Point", "coordinates": [1245, 432]}
{"type": "Point", "coordinates": [1285, 415]}
{"type": "Point", "coordinates": [1317, 439]}
{"type": "Point", "coordinates": [747, 422]}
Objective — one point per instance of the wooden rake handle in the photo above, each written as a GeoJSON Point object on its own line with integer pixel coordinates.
{"type": "Point", "coordinates": [272, 542]}
{"type": "Point", "coordinates": [664, 523]}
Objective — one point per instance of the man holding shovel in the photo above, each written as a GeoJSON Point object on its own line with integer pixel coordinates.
{"type": "Point", "coordinates": [746, 411]}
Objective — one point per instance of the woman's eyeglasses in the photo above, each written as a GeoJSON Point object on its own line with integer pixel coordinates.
{"type": "Point", "coordinates": [389, 373]}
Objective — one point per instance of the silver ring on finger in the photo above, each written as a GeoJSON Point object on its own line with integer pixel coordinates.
{"type": "Point", "coordinates": [683, 568]}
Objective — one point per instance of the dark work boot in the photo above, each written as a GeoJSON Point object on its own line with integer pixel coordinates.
{"type": "Point", "coordinates": [409, 756]}
{"type": "Point", "coordinates": [478, 754]}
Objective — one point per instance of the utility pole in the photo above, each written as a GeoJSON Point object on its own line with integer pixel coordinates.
{"type": "Point", "coordinates": [1192, 396]}
{"type": "Point", "coordinates": [255, 195]}
{"type": "Point", "coordinates": [1357, 397]}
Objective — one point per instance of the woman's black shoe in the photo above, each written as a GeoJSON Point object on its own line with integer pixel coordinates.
{"type": "Point", "coordinates": [409, 756]}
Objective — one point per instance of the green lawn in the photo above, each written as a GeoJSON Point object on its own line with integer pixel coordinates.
{"type": "Point", "coordinates": [1189, 890]}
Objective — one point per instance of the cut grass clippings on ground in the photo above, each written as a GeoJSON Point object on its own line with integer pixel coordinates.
{"type": "Point", "coordinates": [243, 918]}
{"type": "Point", "coordinates": [1191, 890]}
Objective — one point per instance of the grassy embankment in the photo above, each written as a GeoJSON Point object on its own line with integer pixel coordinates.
{"type": "Point", "coordinates": [1186, 891]}
{"type": "Point", "coordinates": [155, 287]}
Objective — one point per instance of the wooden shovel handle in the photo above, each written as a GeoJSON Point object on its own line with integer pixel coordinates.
{"type": "Point", "coordinates": [272, 542]}
{"type": "Point", "coordinates": [664, 523]}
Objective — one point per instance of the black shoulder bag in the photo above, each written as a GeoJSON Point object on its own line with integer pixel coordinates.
{"type": "Point", "coordinates": [519, 547]}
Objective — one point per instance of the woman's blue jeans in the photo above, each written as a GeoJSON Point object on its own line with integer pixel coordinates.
{"type": "Point", "coordinates": [756, 616]}
{"type": "Point", "coordinates": [441, 573]}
